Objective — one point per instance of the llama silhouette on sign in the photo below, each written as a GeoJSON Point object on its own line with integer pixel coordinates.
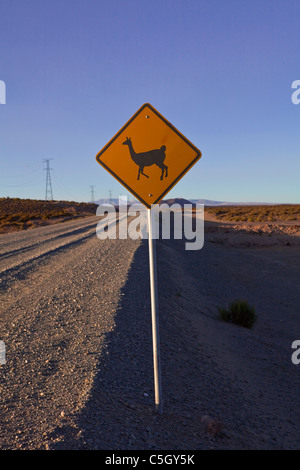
{"type": "Point", "coordinates": [152, 157]}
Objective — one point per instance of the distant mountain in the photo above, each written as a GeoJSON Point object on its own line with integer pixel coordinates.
{"type": "Point", "coordinates": [208, 202]}
{"type": "Point", "coordinates": [182, 201]}
{"type": "Point", "coordinates": [115, 201]}
{"type": "Point", "coordinates": [177, 200]}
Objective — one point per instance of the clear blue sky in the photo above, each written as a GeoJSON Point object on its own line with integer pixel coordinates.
{"type": "Point", "coordinates": [219, 70]}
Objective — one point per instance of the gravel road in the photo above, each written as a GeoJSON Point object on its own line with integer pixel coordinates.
{"type": "Point", "coordinates": [60, 288]}
{"type": "Point", "coordinates": [75, 318]}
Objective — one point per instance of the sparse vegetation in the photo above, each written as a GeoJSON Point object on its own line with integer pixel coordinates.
{"type": "Point", "coordinates": [260, 213]}
{"type": "Point", "coordinates": [238, 312]}
{"type": "Point", "coordinates": [21, 214]}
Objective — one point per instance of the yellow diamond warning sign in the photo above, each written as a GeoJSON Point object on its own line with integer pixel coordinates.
{"type": "Point", "coordinates": [148, 155]}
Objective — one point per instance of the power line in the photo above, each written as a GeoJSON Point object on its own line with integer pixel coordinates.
{"type": "Point", "coordinates": [21, 185]}
{"type": "Point", "coordinates": [62, 186]}
{"type": "Point", "coordinates": [48, 181]}
{"type": "Point", "coordinates": [19, 176]}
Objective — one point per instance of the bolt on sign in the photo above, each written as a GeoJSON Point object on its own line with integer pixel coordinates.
{"type": "Point", "coordinates": [148, 155]}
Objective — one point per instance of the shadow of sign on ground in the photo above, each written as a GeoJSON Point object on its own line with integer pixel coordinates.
{"type": "Point", "coordinates": [120, 413]}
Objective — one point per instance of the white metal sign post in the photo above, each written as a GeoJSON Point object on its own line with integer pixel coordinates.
{"type": "Point", "coordinates": [154, 313]}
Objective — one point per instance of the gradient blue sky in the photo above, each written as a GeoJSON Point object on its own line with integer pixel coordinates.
{"type": "Point", "coordinates": [219, 70]}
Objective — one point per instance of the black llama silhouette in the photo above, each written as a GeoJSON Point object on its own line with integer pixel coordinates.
{"type": "Point", "coordinates": [152, 157]}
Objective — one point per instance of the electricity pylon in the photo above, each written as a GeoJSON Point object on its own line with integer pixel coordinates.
{"type": "Point", "coordinates": [48, 181]}
{"type": "Point", "coordinates": [92, 194]}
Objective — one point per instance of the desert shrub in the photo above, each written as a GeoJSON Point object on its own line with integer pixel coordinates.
{"type": "Point", "coordinates": [238, 312]}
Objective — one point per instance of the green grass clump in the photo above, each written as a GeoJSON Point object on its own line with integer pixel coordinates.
{"type": "Point", "coordinates": [238, 312]}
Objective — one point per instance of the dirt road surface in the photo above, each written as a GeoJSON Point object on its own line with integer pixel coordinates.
{"type": "Point", "coordinates": [76, 322]}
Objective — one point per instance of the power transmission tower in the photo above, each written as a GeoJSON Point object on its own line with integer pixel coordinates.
{"type": "Point", "coordinates": [92, 194]}
{"type": "Point", "coordinates": [48, 181]}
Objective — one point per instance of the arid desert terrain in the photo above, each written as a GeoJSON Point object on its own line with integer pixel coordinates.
{"type": "Point", "coordinates": [76, 321]}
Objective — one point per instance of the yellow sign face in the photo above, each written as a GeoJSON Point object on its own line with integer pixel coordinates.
{"type": "Point", "coordinates": [148, 155]}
